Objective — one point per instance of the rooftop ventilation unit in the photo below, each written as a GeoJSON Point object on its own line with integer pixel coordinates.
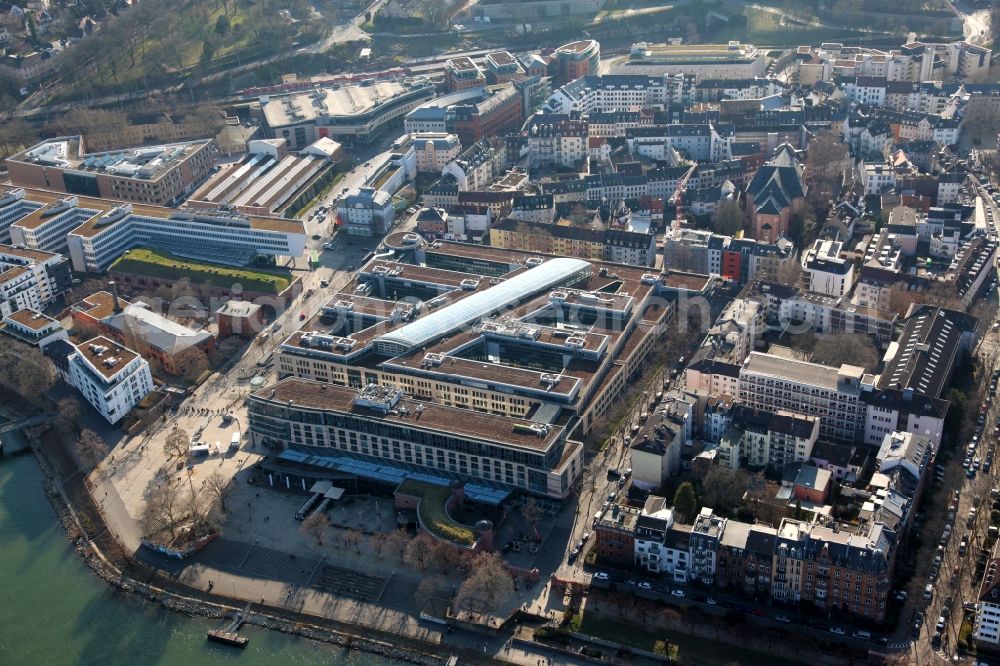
{"type": "Point", "coordinates": [549, 379]}
{"type": "Point", "coordinates": [433, 360]}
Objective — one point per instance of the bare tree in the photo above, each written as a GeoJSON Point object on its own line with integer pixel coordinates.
{"type": "Point", "coordinates": [852, 348]}
{"type": "Point", "coordinates": [314, 525]}
{"type": "Point", "coordinates": [198, 506]}
{"type": "Point", "coordinates": [943, 294]}
{"type": "Point", "coordinates": [26, 370]}
{"type": "Point", "coordinates": [445, 556]}
{"type": "Point", "coordinates": [395, 542]}
{"type": "Point", "coordinates": [431, 586]}
{"type": "Point", "coordinates": [191, 363]}
{"type": "Point", "coordinates": [177, 443]}
{"type": "Point", "coordinates": [723, 489]}
{"type": "Point", "coordinates": [378, 542]}
{"type": "Point", "coordinates": [418, 551]}
{"type": "Point", "coordinates": [826, 165]}
{"type": "Point", "coordinates": [728, 218]}
{"type": "Point", "coordinates": [90, 448]}
{"type": "Point", "coordinates": [68, 414]}
{"type": "Point", "coordinates": [164, 510]}
{"type": "Point", "coordinates": [488, 586]}
{"type": "Point", "coordinates": [221, 486]}
{"type": "Point", "coordinates": [229, 347]}
{"type": "Point", "coordinates": [532, 512]}
{"type": "Point", "coordinates": [353, 537]}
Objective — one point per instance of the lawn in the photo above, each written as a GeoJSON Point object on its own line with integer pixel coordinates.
{"type": "Point", "coordinates": [433, 515]}
{"type": "Point", "coordinates": [143, 261]}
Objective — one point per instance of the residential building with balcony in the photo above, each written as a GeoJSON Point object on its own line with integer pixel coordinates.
{"type": "Point", "coordinates": [833, 395]}
{"type": "Point", "coordinates": [112, 378]}
{"type": "Point", "coordinates": [706, 537]}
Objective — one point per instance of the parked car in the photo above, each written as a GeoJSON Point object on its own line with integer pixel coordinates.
{"type": "Point", "coordinates": [601, 575]}
{"type": "Point", "coordinates": [838, 630]}
{"type": "Point", "coordinates": [677, 593]}
{"type": "Point", "coordinates": [645, 585]}
{"type": "Point", "coordinates": [781, 618]}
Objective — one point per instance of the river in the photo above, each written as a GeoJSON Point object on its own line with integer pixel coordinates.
{"type": "Point", "coordinates": [53, 611]}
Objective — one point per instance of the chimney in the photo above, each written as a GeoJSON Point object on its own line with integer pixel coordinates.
{"type": "Point", "coordinates": [114, 296]}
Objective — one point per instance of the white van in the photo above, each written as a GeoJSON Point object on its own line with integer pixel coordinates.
{"type": "Point", "coordinates": [234, 442]}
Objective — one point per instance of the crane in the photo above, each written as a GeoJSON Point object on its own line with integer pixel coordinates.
{"type": "Point", "coordinates": [678, 197]}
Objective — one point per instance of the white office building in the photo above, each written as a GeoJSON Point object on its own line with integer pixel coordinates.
{"type": "Point", "coordinates": [366, 211]}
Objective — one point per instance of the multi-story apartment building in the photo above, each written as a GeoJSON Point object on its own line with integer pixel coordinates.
{"type": "Point", "coordinates": [477, 166]}
{"type": "Point", "coordinates": [502, 67]}
{"type": "Point", "coordinates": [773, 382]}
{"type": "Point", "coordinates": [762, 438]}
{"type": "Point", "coordinates": [156, 175]}
{"type": "Point", "coordinates": [432, 150]}
{"type": "Point", "coordinates": [745, 557]}
{"type": "Point", "coordinates": [576, 59]}
{"type": "Point", "coordinates": [462, 73]}
{"type": "Point", "coordinates": [987, 627]}
{"type": "Point", "coordinates": [611, 93]}
{"type": "Point", "coordinates": [793, 307]}
{"type": "Point", "coordinates": [500, 110]}
{"type": "Point", "coordinates": [699, 142]}
{"type": "Point", "coordinates": [112, 378]}
{"type": "Point", "coordinates": [788, 561]}
{"type": "Point", "coordinates": [661, 547]}
{"type": "Point", "coordinates": [848, 571]}
{"type": "Point", "coordinates": [706, 538]}
{"type": "Point", "coordinates": [50, 272]}
{"type": "Point", "coordinates": [366, 211]}
{"type": "Point", "coordinates": [33, 327]}
{"type": "Point", "coordinates": [614, 245]}
{"type": "Point", "coordinates": [824, 271]}
{"type": "Point", "coordinates": [556, 140]}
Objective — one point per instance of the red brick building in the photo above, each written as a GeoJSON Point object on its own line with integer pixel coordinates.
{"type": "Point", "coordinates": [159, 340]}
{"type": "Point", "coordinates": [461, 73]}
{"type": "Point", "coordinates": [614, 535]}
{"type": "Point", "coordinates": [240, 318]}
{"type": "Point", "coordinates": [499, 112]}
{"type": "Point", "coordinates": [576, 59]}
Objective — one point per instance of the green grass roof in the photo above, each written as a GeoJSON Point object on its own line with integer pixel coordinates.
{"type": "Point", "coordinates": [156, 264]}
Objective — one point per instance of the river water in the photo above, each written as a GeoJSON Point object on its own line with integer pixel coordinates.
{"type": "Point", "coordinates": [53, 611]}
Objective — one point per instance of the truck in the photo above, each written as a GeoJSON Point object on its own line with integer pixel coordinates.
{"type": "Point", "coordinates": [199, 449]}
{"type": "Point", "coordinates": [234, 441]}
